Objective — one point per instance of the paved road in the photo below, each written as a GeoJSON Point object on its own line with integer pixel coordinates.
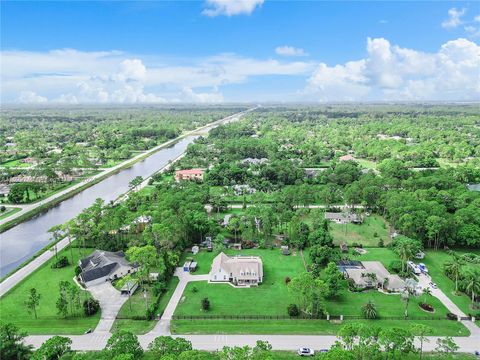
{"type": "Point", "coordinates": [29, 207]}
{"type": "Point", "coordinates": [346, 206]}
{"type": "Point", "coordinates": [21, 274]}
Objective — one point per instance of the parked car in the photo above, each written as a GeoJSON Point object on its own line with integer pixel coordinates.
{"type": "Point", "coordinates": [412, 266]}
{"type": "Point", "coordinates": [433, 285]}
{"type": "Point", "coordinates": [423, 268]}
{"type": "Point", "coordinates": [477, 353]}
{"type": "Point", "coordinates": [306, 352]}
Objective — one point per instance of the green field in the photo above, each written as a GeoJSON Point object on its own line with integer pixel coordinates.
{"type": "Point", "coordinates": [304, 327]}
{"type": "Point", "coordinates": [434, 261]}
{"type": "Point", "coordinates": [45, 280]}
{"type": "Point", "coordinates": [125, 320]}
{"type": "Point", "coordinates": [10, 211]}
{"type": "Point", "coordinates": [272, 298]}
{"type": "Point", "coordinates": [203, 258]}
{"type": "Point", "coordinates": [362, 234]}
{"type": "Point", "coordinates": [15, 164]}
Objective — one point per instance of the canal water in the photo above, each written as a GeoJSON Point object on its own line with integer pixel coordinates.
{"type": "Point", "coordinates": [24, 240]}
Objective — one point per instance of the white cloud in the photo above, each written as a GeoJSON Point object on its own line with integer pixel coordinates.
{"type": "Point", "coordinates": [29, 97]}
{"type": "Point", "coordinates": [477, 18]}
{"type": "Point", "coordinates": [290, 51]}
{"type": "Point", "coordinates": [454, 18]}
{"type": "Point", "coordinates": [71, 76]}
{"type": "Point", "coordinates": [190, 96]}
{"type": "Point", "coordinates": [390, 72]}
{"type": "Point", "coordinates": [230, 7]}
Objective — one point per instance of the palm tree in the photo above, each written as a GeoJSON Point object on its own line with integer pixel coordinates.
{"type": "Point", "coordinates": [453, 268]}
{"type": "Point", "coordinates": [472, 284]}
{"type": "Point", "coordinates": [409, 290]}
{"type": "Point", "coordinates": [369, 310]}
{"type": "Point", "coordinates": [426, 292]}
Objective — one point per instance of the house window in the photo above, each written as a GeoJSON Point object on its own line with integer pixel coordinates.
{"type": "Point", "coordinates": [224, 277]}
{"type": "Point", "coordinates": [215, 277]}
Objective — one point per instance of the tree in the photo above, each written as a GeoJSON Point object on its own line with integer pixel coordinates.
{"type": "Point", "coordinates": [145, 257]}
{"type": "Point", "coordinates": [369, 310]}
{"type": "Point", "coordinates": [309, 292]}
{"type": "Point", "coordinates": [446, 345]}
{"type": "Point", "coordinates": [333, 279]}
{"type": "Point", "coordinates": [409, 291]}
{"type": "Point", "coordinates": [293, 310]}
{"type": "Point", "coordinates": [12, 346]}
{"type": "Point", "coordinates": [166, 345]}
{"type": "Point", "coordinates": [426, 293]}
{"type": "Point", "coordinates": [33, 301]}
{"type": "Point", "coordinates": [453, 268]}
{"type": "Point", "coordinates": [124, 342]}
{"type": "Point", "coordinates": [396, 339]}
{"type": "Point", "coordinates": [406, 248]}
{"type": "Point", "coordinates": [321, 255]}
{"type": "Point", "coordinates": [471, 282]}
{"type": "Point", "coordinates": [62, 301]}
{"type": "Point", "coordinates": [420, 331]}
{"type": "Point", "coordinates": [135, 183]}
{"type": "Point", "coordinates": [53, 349]}
{"type": "Point", "coordinates": [205, 304]}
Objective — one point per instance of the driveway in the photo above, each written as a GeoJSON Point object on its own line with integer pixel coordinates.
{"type": "Point", "coordinates": [163, 325]}
{"type": "Point", "coordinates": [110, 302]}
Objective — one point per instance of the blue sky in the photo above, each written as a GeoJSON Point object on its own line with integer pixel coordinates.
{"type": "Point", "coordinates": [238, 50]}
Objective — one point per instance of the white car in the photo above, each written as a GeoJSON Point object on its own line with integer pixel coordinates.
{"type": "Point", "coordinates": [306, 352]}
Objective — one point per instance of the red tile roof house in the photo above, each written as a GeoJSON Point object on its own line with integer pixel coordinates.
{"type": "Point", "coordinates": [190, 174]}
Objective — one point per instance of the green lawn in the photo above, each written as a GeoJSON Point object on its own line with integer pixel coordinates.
{"type": "Point", "coordinates": [367, 164]}
{"type": "Point", "coordinates": [45, 280]}
{"type": "Point", "coordinates": [362, 234]}
{"type": "Point", "coordinates": [138, 309]}
{"type": "Point", "coordinates": [270, 298]}
{"type": "Point", "coordinates": [10, 211]}
{"type": "Point", "coordinates": [15, 164]}
{"type": "Point", "coordinates": [203, 258]}
{"type": "Point", "coordinates": [304, 327]}
{"type": "Point", "coordinates": [434, 261]}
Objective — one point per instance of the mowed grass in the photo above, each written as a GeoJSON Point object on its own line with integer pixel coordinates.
{"type": "Point", "coordinates": [362, 234]}
{"type": "Point", "coordinates": [45, 280]}
{"type": "Point", "coordinates": [9, 211]}
{"type": "Point", "coordinates": [305, 327]}
{"type": "Point", "coordinates": [366, 164]}
{"type": "Point", "coordinates": [125, 320]}
{"type": "Point", "coordinates": [15, 164]}
{"type": "Point", "coordinates": [435, 260]}
{"type": "Point", "coordinates": [203, 259]}
{"type": "Point", "coordinates": [270, 298]}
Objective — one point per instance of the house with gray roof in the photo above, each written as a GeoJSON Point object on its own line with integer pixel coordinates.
{"type": "Point", "coordinates": [103, 266]}
{"type": "Point", "coordinates": [237, 270]}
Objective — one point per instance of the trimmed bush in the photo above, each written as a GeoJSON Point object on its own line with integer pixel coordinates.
{"type": "Point", "coordinates": [91, 306]}
{"type": "Point", "coordinates": [293, 310]}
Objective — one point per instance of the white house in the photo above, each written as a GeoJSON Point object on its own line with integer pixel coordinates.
{"type": "Point", "coordinates": [237, 270]}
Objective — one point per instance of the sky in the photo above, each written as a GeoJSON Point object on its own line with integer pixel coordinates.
{"type": "Point", "coordinates": [214, 51]}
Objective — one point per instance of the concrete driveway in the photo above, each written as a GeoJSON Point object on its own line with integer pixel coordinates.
{"type": "Point", "coordinates": [163, 326]}
{"type": "Point", "coordinates": [110, 302]}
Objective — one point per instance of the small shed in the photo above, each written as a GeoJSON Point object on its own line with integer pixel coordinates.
{"type": "Point", "coordinates": [129, 287]}
{"type": "Point", "coordinates": [195, 250]}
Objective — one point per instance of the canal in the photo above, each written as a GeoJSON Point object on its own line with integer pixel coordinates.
{"type": "Point", "coordinates": [23, 241]}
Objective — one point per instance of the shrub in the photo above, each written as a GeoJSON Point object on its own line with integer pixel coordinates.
{"type": "Point", "coordinates": [3, 208]}
{"type": "Point", "coordinates": [158, 288]}
{"type": "Point", "coordinates": [78, 270]}
{"type": "Point", "coordinates": [194, 289]}
{"type": "Point", "coordinates": [287, 280]}
{"type": "Point", "coordinates": [375, 234]}
{"type": "Point", "coordinates": [381, 243]}
{"type": "Point", "coordinates": [60, 263]}
{"type": "Point", "coordinates": [205, 304]}
{"type": "Point", "coordinates": [395, 266]}
{"type": "Point", "coordinates": [451, 316]}
{"type": "Point", "coordinates": [426, 307]}
{"type": "Point", "coordinates": [293, 310]}
{"type": "Point", "coordinates": [248, 244]}
{"type": "Point", "coordinates": [91, 306]}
